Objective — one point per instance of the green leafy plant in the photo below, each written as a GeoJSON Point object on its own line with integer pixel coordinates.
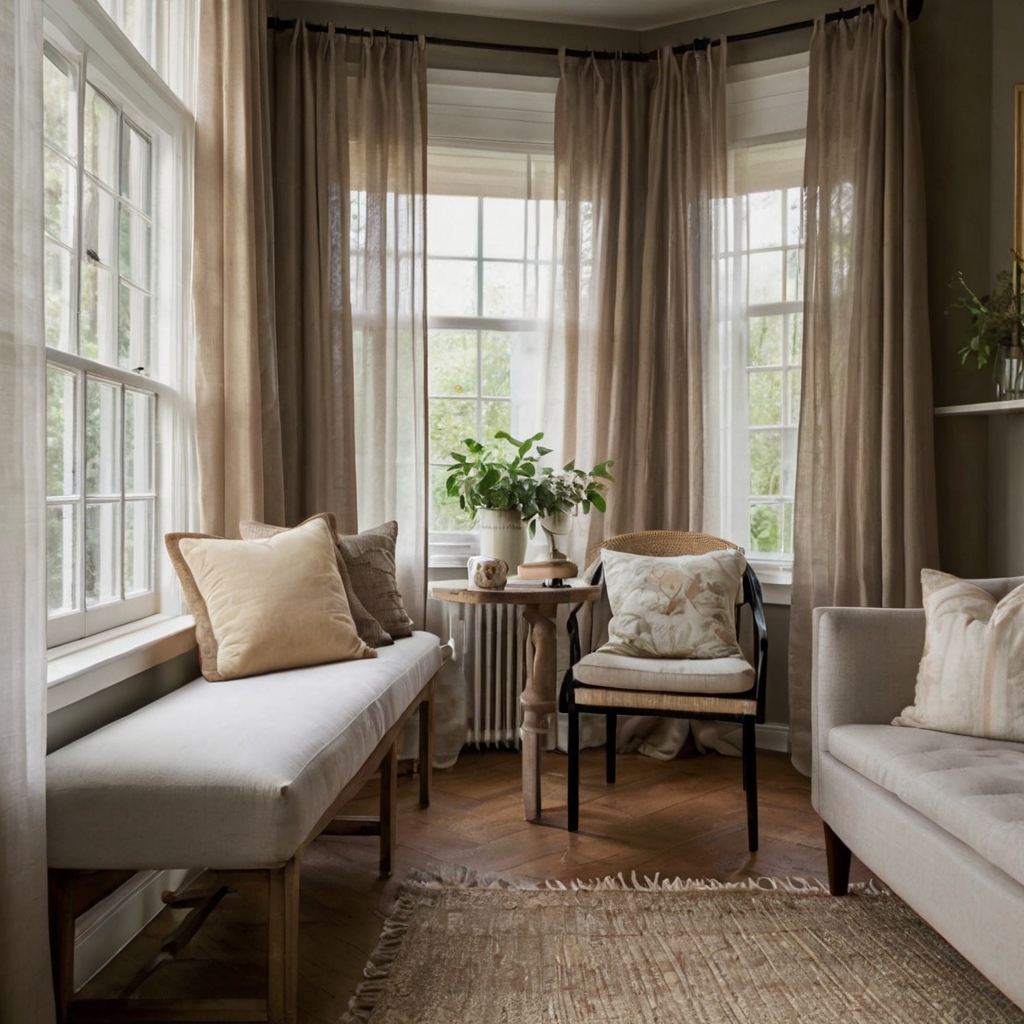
{"type": "Point", "coordinates": [996, 319]}
{"type": "Point", "coordinates": [507, 474]}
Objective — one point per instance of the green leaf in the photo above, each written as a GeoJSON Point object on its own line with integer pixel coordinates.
{"type": "Point", "coordinates": [542, 451]}
{"type": "Point", "coordinates": [586, 507]}
{"type": "Point", "coordinates": [599, 503]}
{"type": "Point", "coordinates": [569, 466]}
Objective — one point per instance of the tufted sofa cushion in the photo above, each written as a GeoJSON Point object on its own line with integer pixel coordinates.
{"type": "Point", "coordinates": [971, 787]}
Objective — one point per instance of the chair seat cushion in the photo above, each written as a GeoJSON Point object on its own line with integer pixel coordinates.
{"type": "Point", "coordinates": [665, 675]}
{"type": "Point", "coordinates": [230, 774]}
{"type": "Point", "coordinates": [969, 786]}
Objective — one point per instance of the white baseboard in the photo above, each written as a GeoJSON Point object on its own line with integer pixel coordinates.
{"type": "Point", "coordinates": [773, 736]}
{"type": "Point", "coordinates": [104, 930]}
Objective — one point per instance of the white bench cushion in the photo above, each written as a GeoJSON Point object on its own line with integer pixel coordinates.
{"type": "Point", "coordinates": [665, 675]}
{"type": "Point", "coordinates": [229, 774]}
{"type": "Point", "coordinates": [971, 787]}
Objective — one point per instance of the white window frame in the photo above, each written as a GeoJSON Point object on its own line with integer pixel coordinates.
{"type": "Point", "coordinates": [85, 37]}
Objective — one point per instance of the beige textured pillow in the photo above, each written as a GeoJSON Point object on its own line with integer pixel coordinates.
{"type": "Point", "coordinates": [369, 629]}
{"type": "Point", "coordinates": [266, 605]}
{"type": "Point", "coordinates": [370, 557]}
{"type": "Point", "coordinates": [971, 678]}
{"type": "Point", "coordinates": [679, 607]}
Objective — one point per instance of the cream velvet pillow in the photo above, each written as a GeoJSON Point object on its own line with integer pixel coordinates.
{"type": "Point", "coordinates": [971, 678]}
{"type": "Point", "coordinates": [266, 605]}
{"type": "Point", "coordinates": [679, 607]}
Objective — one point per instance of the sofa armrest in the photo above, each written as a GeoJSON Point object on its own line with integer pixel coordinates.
{"type": "Point", "coordinates": [864, 667]}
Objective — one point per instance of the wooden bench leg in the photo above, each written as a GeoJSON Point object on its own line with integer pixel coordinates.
{"type": "Point", "coordinates": [426, 748]}
{"type": "Point", "coordinates": [388, 809]}
{"type": "Point", "coordinates": [283, 921]}
{"type": "Point", "coordinates": [837, 854]}
{"type": "Point", "coordinates": [62, 940]}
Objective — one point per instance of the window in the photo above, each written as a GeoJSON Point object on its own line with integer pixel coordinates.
{"type": "Point", "coordinates": [761, 295]}
{"type": "Point", "coordinates": [114, 244]}
{"type": "Point", "coordinates": [490, 238]}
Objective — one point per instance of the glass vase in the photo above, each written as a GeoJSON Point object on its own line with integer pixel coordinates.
{"type": "Point", "coordinates": [1009, 373]}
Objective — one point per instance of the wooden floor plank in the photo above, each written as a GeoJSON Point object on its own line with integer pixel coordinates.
{"type": "Point", "coordinates": [684, 817]}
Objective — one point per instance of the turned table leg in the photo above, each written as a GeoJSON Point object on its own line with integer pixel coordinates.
{"type": "Point", "coordinates": [538, 702]}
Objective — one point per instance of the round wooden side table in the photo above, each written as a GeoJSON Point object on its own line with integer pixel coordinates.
{"type": "Point", "coordinates": [540, 605]}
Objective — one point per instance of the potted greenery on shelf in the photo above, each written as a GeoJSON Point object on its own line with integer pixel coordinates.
{"type": "Point", "coordinates": [997, 326]}
{"type": "Point", "coordinates": [506, 488]}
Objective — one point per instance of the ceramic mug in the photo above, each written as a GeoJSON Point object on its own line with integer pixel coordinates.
{"type": "Point", "coordinates": [486, 573]}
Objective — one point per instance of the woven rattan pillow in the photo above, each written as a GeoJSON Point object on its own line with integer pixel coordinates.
{"type": "Point", "coordinates": [266, 605]}
{"type": "Point", "coordinates": [369, 629]}
{"type": "Point", "coordinates": [971, 677]}
{"type": "Point", "coordinates": [676, 607]}
{"type": "Point", "coordinates": [370, 557]}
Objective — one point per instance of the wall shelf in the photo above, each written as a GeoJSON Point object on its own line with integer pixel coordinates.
{"type": "Point", "coordinates": [981, 409]}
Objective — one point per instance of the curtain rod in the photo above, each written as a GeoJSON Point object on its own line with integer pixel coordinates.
{"type": "Point", "coordinates": [913, 12]}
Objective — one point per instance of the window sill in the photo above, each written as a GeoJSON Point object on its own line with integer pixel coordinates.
{"type": "Point", "coordinates": [77, 670]}
{"type": "Point", "coordinates": [776, 581]}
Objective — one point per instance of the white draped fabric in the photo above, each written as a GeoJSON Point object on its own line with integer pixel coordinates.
{"type": "Point", "coordinates": [25, 992]}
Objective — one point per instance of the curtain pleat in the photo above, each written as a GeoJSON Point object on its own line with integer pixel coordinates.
{"type": "Point", "coordinates": [25, 987]}
{"type": "Point", "coordinates": [864, 513]}
{"type": "Point", "coordinates": [238, 427]}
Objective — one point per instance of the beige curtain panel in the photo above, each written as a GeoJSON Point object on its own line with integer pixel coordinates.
{"type": "Point", "coordinates": [640, 161]}
{"type": "Point", "coordinates": [237, 415]}
{"type": "Point", "coordinates": [25, 987]}
{"type": "Point", "coordinates": [864, 516]}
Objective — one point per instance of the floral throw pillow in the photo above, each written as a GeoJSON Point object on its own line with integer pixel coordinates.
{"type": "Point", "coordinates": [680, 607]}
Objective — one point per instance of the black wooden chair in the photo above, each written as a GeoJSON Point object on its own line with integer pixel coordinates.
{"type": "Point", "coordinates": [694, 689]}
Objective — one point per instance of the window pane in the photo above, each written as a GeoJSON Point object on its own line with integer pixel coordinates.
{"type": "Point", "coordinates": [446, 514]}
{"type": "Point", "coordinates": [135, 162]}
{"type": "Point", "coordinates": [796, 337]}
{"type": "Point", "coordinates": [61, 563]}
{"type": "Point", "coordinates": [135, 247]}
{"type": "Point", "coordinates": [765, 397]}
{"type": "Point", "coordinates": [451, 420]}
{"type": "Point", "coordinates": [133, 328]}
{"type": "Point", "coordinates": [102, 552]}
{"type": "Point", "coordinates": [504, 229]}
{"type": "Point", "coordinates": [765, 341]}
{"type": "Point", "coordinates": [452, 363]}
{"type": "Point", "coordinates": [61, 433]}
{"type": "Point", "coordinates": [540, 235]}
{"type": "Point", "coordinates": [139, 413]}
{"type": "Point", "coordinates": [795, 275]}
{"type": "Point", "coordinates": [57, 276]}
{"type": "Point", "coordinates": [503, 289]}
{"type": "Point", "coordinates": [60, 190]}
{"type": "Point", "coordinates": [97, 327]}
{"type": "Point", "coordinates": [138, 547]}
{"type": "Point", "coordinates": [787, 541]}
{"type": "Point", "coordinates": [496, 361]}
{"type": "Point", "coordinates": [496, 416]}
{"type": "Point", "coordinates": [451, 225]}
{"type": "Point", "coordinates": [765, 529]}
{"type": "Point", "coordinates": [58, 111]}
{"type": "Point", "coordinates": [793, 418]}
{"type": "Point", "coordinates": [101, 137]}
{"type": "Point", "coordinates": [789, 441]}
{"type": "Point", "coordinates": [764, 212]}
{"type": "Point", "coordinates": [765, 462]}
{"type": "Point", "coordinates": [102, 438]}
{"type": "Point", "coordinates": [451, 287]}
{"type": "Point", "coordinates": [794, 216]}
{"type": "Point", "coordinates": [765, 270]}
{"type": "Point", "coordinates": [99, 224]}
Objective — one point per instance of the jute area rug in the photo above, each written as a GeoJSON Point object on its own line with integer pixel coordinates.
{"type": "Point", "coordinates": [615, 952]}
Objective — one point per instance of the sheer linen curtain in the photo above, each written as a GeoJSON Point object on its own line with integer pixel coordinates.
{"type": "Point", "coordinates": [864, 515]}
{"type": "Point", "coordinates": [640, 169]}
{"type": "Point", "coordinates": [25, 987]}
{"type": "Point", "coordinates": [237, 414]}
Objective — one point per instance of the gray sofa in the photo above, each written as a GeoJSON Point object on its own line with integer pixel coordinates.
{"type": "Point", "coordinates": [938, 818]}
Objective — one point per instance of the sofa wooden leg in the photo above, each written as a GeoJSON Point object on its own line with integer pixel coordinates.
{"type": "Point", "coordinates": [426, 748]}
{"type": "Point", "coordinates": [610, 738]}
{"type": "Point", "coordinates": [62, 940]}
{"type": "Point", "coordinates": [574, 771]}
{"type": "Point", "coordinates": [837, 853]}
{"type": "Point", "coordinates": [283, 922]}
{"type": "Point", "coordinates": [750, 780]}
{"type": "Point", "coordinates": [388, 809]}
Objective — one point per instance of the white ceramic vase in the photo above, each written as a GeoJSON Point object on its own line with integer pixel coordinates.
{"type": "Point", "coordinates": [503, 535]}
{"type": "Point", "coordinates": [557, 527]}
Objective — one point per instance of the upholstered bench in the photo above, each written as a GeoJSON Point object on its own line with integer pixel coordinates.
{"type": "Point", "coordinates": [238, 778]}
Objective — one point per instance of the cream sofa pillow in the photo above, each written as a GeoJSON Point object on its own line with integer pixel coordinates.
{"type": "Point", "coordinates": [266, 605]}
{"type": "Point", "coordinates": [971, 678]}
{"type": "Point", "coordinates": [677, 607]}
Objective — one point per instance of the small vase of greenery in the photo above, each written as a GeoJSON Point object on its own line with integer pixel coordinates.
{"type": "Point", "coordinates": [997, 326]}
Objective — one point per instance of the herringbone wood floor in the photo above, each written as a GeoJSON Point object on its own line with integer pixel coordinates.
{"type": "Point", "coordinates": [685, 817]}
